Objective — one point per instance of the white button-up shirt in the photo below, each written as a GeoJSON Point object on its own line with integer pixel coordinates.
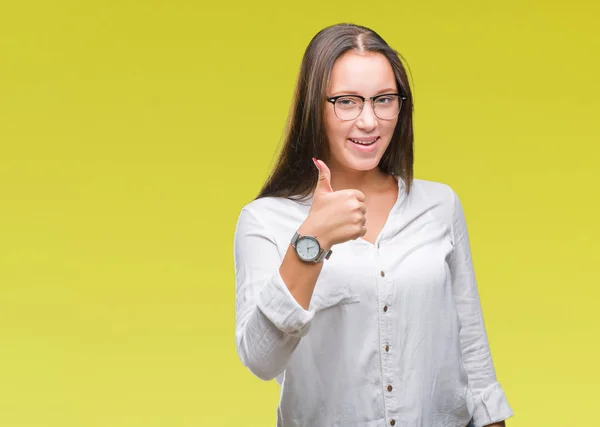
{"type": "Point", "coordinates": [394, 334]}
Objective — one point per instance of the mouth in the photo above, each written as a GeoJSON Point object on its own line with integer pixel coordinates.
{"type": "Point", "coordinates": [365, 142]}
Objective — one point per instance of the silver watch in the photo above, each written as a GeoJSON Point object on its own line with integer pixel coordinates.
{"type": "Point", "coordinates": [308, 248]}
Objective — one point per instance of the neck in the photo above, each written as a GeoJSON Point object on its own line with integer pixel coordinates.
{"type": "Point", "coordinates": [366, 181]}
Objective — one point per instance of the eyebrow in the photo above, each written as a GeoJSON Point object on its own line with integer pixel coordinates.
{"type": "Point", "coordinates": [353, 92]}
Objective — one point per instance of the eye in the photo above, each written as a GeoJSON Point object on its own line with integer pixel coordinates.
{"type": "Point", "coordinates": [346, 101]}
{"type": "Point", "coordinates": [388, 99]}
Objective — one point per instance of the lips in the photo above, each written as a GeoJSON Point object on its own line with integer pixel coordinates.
{"type": "Point", "coordinates": [364, 141]}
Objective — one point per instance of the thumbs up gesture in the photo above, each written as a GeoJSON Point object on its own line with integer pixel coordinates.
{"type": "Point", "coordinates": [335, 216]}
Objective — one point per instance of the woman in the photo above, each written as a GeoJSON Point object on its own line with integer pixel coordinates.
{"type": "Point", "coordinates": [355, 286]}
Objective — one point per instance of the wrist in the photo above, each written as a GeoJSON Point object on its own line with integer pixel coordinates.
{"type": "Point", "coordinates": [309, 228]}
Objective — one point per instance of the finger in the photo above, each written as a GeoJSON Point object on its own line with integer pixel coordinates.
{"type": "Point", "coordinates": [363, 209]}
{"type": "Point", "coordinates": [360, 195]}
{"type": "Point", "coordinates": [324, 182]}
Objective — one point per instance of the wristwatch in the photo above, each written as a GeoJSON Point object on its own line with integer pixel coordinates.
{"type": "Point", "coordinates": [308, 248]}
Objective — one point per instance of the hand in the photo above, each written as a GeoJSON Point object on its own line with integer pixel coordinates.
{"type": "Point", "coordinates": [335, 216]}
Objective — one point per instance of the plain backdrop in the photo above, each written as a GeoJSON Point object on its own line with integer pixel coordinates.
{"type": "Point", "coordinates": [133, 132]}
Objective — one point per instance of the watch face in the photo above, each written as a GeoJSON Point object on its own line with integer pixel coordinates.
{"type": "Point", "coordinates": [308, 248]}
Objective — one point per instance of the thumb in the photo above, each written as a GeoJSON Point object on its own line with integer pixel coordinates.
{"type": "Point", "coordinates": [324, 183]}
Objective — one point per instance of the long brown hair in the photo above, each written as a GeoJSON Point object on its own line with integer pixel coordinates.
{"type": "Point", "coordinates": [294, 175]}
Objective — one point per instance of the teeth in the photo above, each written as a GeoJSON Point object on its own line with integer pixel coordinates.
{"type": "Point", "coordinates": [363, 142]}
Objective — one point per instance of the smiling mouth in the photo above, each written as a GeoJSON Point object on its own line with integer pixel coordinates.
{"type": "Point", "coordinates": [364, 142]}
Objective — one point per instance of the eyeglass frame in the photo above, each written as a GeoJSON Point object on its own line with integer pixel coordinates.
{"type": "Point", "coordinates": [333, 99]}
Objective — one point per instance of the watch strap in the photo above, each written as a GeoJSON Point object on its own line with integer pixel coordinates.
{"type": "Point", "coordinates": [295, 239]}
{"type": "Point", "coordinates": [323, 255]}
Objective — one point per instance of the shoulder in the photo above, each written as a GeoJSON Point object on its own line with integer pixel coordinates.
{"type": "Point", "coordinates": [433, 191]}
{"type": "Point", "coordinates": [274, 207]}
{"type": "Point", "coordinates": [277, 214]}
{"type": "Point", "coordinates": [439, 198]}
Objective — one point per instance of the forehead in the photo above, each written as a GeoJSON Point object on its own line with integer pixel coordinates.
{"type": "Point", "coordinates": [364, 73]}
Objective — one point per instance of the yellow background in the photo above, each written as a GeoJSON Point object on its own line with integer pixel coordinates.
{"type": "Point", "coordinates": [132, 133]}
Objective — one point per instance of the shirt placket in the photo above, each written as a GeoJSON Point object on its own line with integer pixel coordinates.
{"type": "Point", "coordinates": [386, 309]}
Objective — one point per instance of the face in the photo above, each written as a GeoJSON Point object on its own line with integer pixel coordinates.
{"type": "Point", "coordinates": [366, 74]}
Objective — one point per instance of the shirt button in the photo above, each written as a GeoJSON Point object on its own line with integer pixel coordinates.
{"type": "Point", "coordinates": [382, 273]}
{"type": "Point", "coordinates": [387, 348]}
{"type": "Point", "coordinates": [392, 422]}
{"type": "Point", "coordinates": [389, 388]}
{"type": "Point", "coordinates": [385, 308]}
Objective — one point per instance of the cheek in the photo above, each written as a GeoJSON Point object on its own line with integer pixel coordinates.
{"type": "Point", "coordinates": [335, 129]}
{"type": "Point", "coordinates": [390, 127]}
{"type": "Point", "coordinates": [387, 130]}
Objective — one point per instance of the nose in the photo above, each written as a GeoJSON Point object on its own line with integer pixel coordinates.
{"type": "Point", "coordinates": [367, 120]}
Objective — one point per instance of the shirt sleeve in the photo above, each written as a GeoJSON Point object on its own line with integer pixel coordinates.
{"type": "Point", "coordinates": [490, 403]}
{"type": "Point", "coordinates": [269, 321]}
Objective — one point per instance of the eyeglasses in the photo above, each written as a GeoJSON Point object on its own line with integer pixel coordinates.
{"type": "Point", "coordinates": [385, 106]}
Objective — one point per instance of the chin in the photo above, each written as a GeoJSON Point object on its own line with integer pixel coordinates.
{"type": "Point", "coordinates": [363, 164]}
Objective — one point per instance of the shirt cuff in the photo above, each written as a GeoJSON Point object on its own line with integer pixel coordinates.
{"type": "Point", "coordinates": [491, 406]}
{"type": "Point", "coordinates": [281, 308]}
